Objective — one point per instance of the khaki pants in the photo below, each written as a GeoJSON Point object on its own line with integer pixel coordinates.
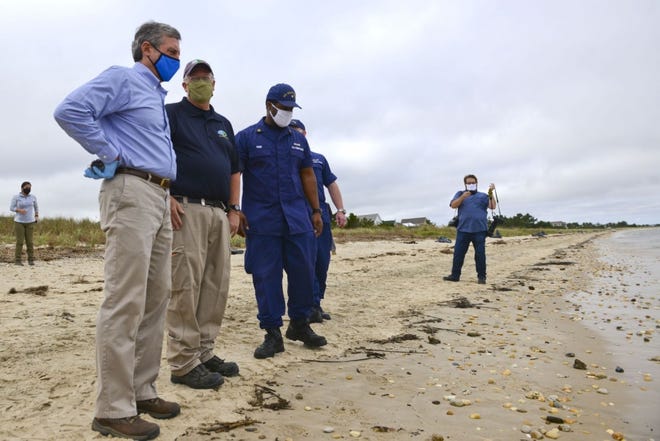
{"type": "Point", "coordinates": [201, 262]}
{"type": "Point", "coordinates": [135, 217]}
{"type": "Point", "coordinates": [24, 233]}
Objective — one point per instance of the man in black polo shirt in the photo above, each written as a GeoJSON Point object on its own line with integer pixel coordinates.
{"type": "Point", "coordinates": [205, 214]}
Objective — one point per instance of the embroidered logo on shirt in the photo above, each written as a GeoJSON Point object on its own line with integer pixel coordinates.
{"type": "Point", "coordinates": [222, 134]}
{"type": "Point", "coordinates": [258, 146]}
{"type": "Point", "coordinates": [296, 146]}
{"type": "Point", "coordinates": [317, 161]}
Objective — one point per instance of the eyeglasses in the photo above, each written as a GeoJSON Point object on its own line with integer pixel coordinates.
{"type": "Point", "coordinates": [192, 79]}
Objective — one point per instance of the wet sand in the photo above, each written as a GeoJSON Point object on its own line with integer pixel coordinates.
{"type": "Point", "coordinates": [403, 361]}
{"type": "Point", "coordinates": [623, 306]}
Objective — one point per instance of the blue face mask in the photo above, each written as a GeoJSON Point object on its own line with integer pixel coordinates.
{"type": "Point", "coordinates": [166, 66]}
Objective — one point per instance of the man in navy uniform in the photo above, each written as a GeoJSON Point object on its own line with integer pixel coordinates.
{"type": "Point", "coordinates": [324, 178]}
{"type": "Point", "coordinates": [280, 202]}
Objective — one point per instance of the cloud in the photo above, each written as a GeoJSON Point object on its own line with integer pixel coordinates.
{"type": "Point", "coordinates": [556, 102]}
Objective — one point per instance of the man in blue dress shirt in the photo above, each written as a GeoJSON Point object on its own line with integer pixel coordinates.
{"type": "Point", "coordinates": [119, 116]}
{"type": "Point", "coordinates": [280, 202]}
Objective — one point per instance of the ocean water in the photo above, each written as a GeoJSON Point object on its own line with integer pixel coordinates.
{"type": "Point", "coordinates": [624, 308]}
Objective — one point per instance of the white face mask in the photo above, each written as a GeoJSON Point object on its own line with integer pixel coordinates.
{"type": "Point", "coordinates": [471, 187]}
{"type": "Point", "coordinates": [283, 117]}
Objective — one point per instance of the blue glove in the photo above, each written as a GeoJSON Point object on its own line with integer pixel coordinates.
{"type": "Point", "coordinates": [99, 170]}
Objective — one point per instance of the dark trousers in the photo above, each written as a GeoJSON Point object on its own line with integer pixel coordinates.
{"type": "Point", "coordinates": [461, 246]}
{"type": "Point", "coordinates": [323, 249]}
{"type": "Point", "coordinates": [24, 233]}
{"type": "Point", "coordinates": [266, 257]}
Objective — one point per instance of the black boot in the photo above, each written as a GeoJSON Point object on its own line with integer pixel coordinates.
{"type": "Point", "coordinates": [316, 316]}
{"type": "Point", "coordinates": [324, 314]}
{"type": "Point", "coordinates": [272, 344]}
{"type": "Point", "coordinates": [300, 330]}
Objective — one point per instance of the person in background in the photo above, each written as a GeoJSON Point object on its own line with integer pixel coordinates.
{"type": "Point", "coordinates": [324, 243]}
{"type": "Point", "coordinates": [472, 227]}
{"type": "Point", "coordinates": [26, 210]}
{"type": "Point", "coordinates": [119, 116]}
{"type": "Point", "coordinates": [204, 210]}
{"type": "Point", "coordinates": [279, 188]}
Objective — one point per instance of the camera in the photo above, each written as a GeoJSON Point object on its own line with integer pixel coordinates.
{"type": "Point", "coordinates": [497, 220]}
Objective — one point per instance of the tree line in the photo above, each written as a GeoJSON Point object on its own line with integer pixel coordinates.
{"type": "Point", "coordinates": [518, 221]}
{"type": "Point", "coordinates": [528, 221]}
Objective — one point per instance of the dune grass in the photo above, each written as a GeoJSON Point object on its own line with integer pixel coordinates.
{"type": "Point", "coordinates": [72, 233]}
{"type": "Point", "coordinates": [424, 232]}
{"type": "Point", "coordinates": [57, 232]}
{"type": "Point", "coordinates": [67, 233]}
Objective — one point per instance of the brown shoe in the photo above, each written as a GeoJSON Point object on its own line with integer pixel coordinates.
{"type": "Point", "coordinates": [131, 427]}
{"type": "Point", "coordinates": [158, 408]}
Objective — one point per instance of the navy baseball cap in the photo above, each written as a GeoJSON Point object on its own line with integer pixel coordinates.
{"type": "Point", "coordinates": [193, 64]}
{"type": "Point", "coordinates": [283, 94]}
{"type": "Point", "coordinates": [297, 124]}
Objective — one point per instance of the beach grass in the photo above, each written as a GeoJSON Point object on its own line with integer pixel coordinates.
{"type": "Point", "coordinates": [62, 232]}
{"type": "Point", "coordinates": [75, 233]}
{"type": "Point", "coordinates": [428, 231]}
{"type": "Point", "coordinates": [57, 232]}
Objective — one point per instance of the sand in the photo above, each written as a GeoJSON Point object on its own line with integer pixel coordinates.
{"type": "Point", "coordinates": [403, 362]}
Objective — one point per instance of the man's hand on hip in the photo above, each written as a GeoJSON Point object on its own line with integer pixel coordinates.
{"type": "Point", "coordinates": [100, 170]}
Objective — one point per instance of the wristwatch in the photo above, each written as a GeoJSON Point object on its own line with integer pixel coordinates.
{"type": "Point", "coordinates": [234, 207]}
{"type": "Point", "coordinates": [316, 210]}
{"type": "Point", "coordinates": [341, 210]}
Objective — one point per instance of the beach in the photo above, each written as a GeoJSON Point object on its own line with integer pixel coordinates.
{"type": "Point", "coordinates": [410, 356]}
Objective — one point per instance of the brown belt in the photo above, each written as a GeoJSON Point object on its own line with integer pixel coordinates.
{"type": "Point", "coordinates": [158, 180]}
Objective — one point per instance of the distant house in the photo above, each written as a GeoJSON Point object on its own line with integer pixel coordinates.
{"type": "Point", "coordinates": [558, 224]}
{"type": "Point", "coordinates": [375, 218]}
{"type": "Point", "coordinates": [414, 222]}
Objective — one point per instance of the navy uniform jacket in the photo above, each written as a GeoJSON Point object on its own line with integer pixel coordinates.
{"type": "Point", "coordinates": [205, 153]}
{"type": "Point", "coordinates": [324, 177]}
{"type": "Point", "coordinates": [273, 198]}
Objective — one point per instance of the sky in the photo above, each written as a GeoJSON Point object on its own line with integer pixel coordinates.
{"type": "Point", "coordinates": [557, 102]}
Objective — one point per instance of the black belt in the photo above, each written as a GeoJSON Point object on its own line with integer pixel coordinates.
{"type": "Point", "coordinates": [158, 180]}
{"type": "Point", "coordinates": [201, 201]}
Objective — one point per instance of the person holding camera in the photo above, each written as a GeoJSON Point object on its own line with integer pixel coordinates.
{"type": "Point", "coordinates": [472, 227]}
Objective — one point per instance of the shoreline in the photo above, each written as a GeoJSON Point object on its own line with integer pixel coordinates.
{"type": "Point", "coordinates": [622, 306]}
{"type": "Point", "coordinates": [478, 373]}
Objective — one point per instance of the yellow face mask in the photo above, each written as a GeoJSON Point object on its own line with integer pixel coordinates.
{"type": "Point", "coordinates": [200, 91]}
